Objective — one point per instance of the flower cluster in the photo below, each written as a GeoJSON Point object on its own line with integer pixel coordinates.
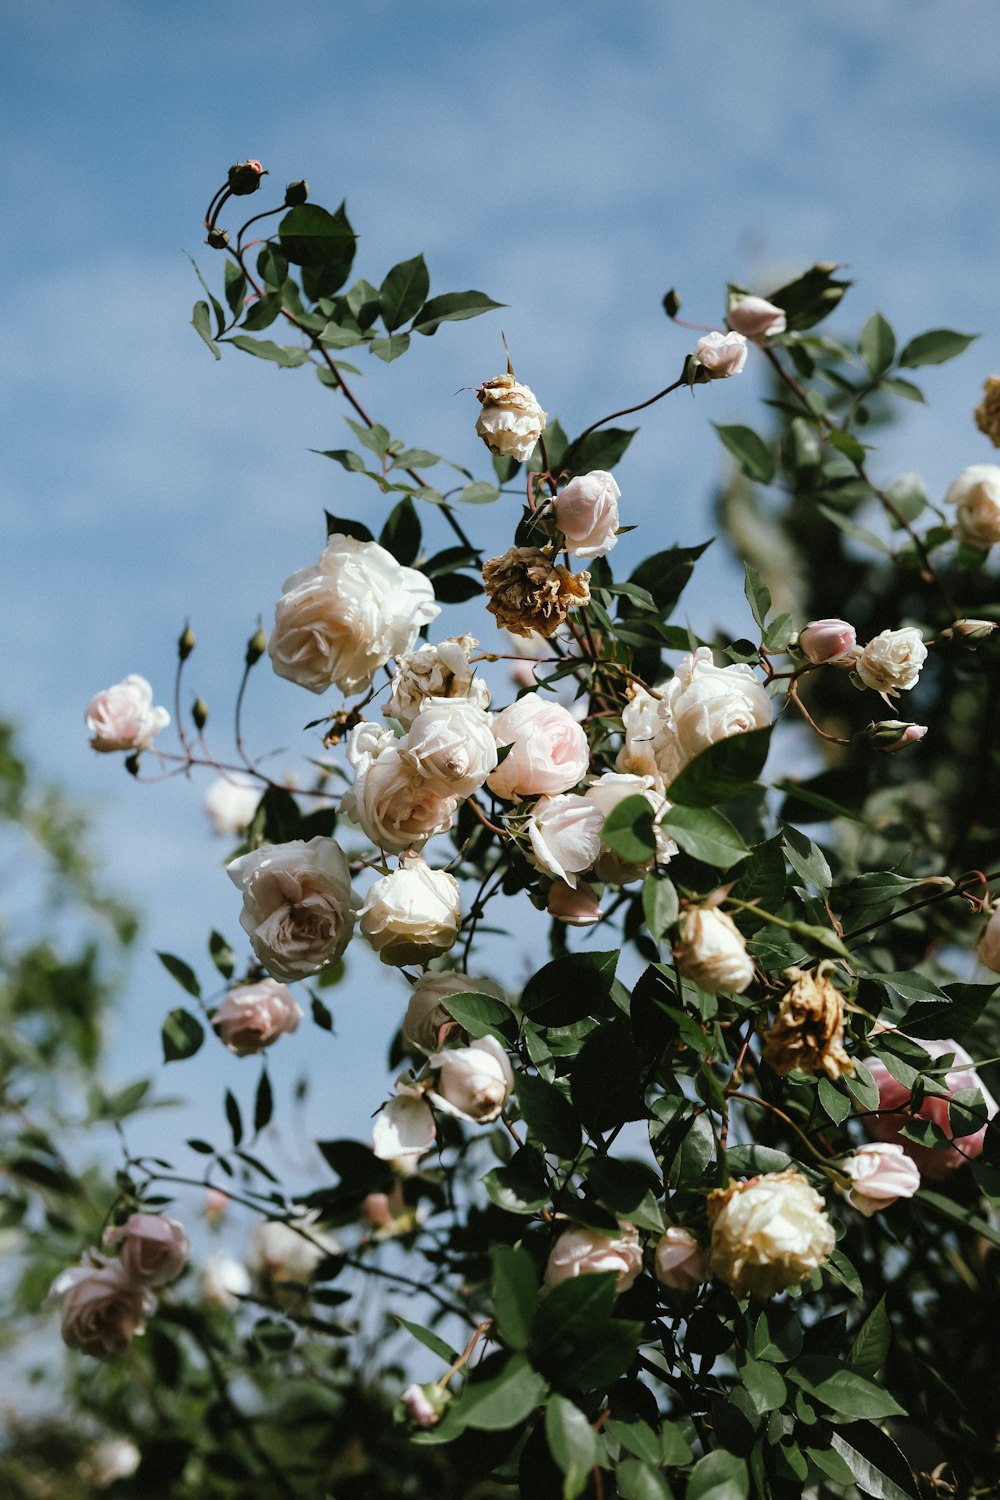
{"type": "Point", "coordinates": [105, 1302]}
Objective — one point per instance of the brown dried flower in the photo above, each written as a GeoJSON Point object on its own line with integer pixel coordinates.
{"type": "Point", "coordinates": [808, 1033]}
{"type": "Point", "coordinates": [528, 593]}
{"type": "Point", "coordinates": [987, 413]}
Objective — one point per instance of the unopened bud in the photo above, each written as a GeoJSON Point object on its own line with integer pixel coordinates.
{"type": "Point", "coordinates": [828, 640]}
{"type": "Point", "coordinates": [893, 734]}
{"type": "Point", "coordinates": [186, 643]}
{"type": "Point", "coordinates": [217, 238]}
{"type": "Point", "coordinates": [296, 193]}
{"type": "Point", "coordinates": [256, 646]}
{"type": "Point", "coordinates": [244, 178]}
{"type": "Point", "coordinates": [671, 303]}
{"type": "Point", "coordinates": [199, 713]}
{"type": "Point", "coordinates": [969, 632]}
{"type": "Point", "coordinates": [132, 763]}
{"type": "Point", "coordinates": [423, 1404]}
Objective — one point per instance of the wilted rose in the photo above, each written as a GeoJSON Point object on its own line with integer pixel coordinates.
{"type": "Point", "coordinates": [123, 716]}
{"type": "Point", "coordinates": [412, 915]}
{"type": "Point", "coordinates": [768, 1233]}
{"type": "Point", "coordinates": [473, 1083]}
{"type": "Point", "coordinates": [987, 413]}
{"type": "Point", "coordinates": [154, 1249]}
{"type": "Point", "coordinates": [891, 662]}
{"type": "Point", "coordinates": [976, 496]}
{"type": "Point", "coordinates": [443, 671]}
{"type": "Point", "coordinates": [511, 421]}
{"type": "Point", "coordinates": [721, 354]}
{"type": "Point", "coordinates": [808, 1033]}
{"type": "Point", "coordinates": [254, 1016]}
{"type": "Point", "coordinates": [586, 512]}
{"type": "Point", "coordinates": [680, 1262]}
{"type": "Point", "coordinates": [103, 1307]}
{"type": "Point", "coordinates": [549, 751]}
{"type": "Point", "coordinates": [712, 952]}
{"type": "Point", "coordinates": [755, 317]}
{"type": "Point", "coordinates": [529, 594]}
{"type": "Point", "coordinates": [582, 1252]}
{"type": "Point", "coordinates": [894, 1097]}
{"type": "Point", "coordinates": [880, 1172]}
{"type": "Point", "coordinates": [298, 906]}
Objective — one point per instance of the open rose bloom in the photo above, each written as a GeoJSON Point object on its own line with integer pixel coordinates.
{"type": "Point", "coordinates": [103, 1306]}
{"type": "Point", "coordinates": [123, 716]}
{"type": "Point", "coordinates": [153, 1248]}
{"type": "Point", "coordinates": [254, 1016]}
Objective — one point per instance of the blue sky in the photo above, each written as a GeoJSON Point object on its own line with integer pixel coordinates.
{"type": "Point", "coordinates": [571, 159]}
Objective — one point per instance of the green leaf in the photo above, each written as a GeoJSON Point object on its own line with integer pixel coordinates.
{"type": "Point", "coordinates": [719, 1476]}
{"type": "Point", "coordinates": [548, 1114]}
{"type": "Point", "coordinates": [201, 322]}
{"type": "Point", "coordinates": [660, 905]}
{"type": "Point", "coordinates": [847, 444]}
{"type": "Point", "coordinates": [706, 835]}
{"type": "Point", "coordinates": [935, 347]}
{"type": "Point", "coordinates": [722, 771]}
{"type": "Point", "coordinates": [504, 1400]}
{"type": "Point", "coordinates": [629, 1189]}
{"type": "Point", "coordinates": [352, 462]}
{"type": "Point", "coordinates": [236, 286]}
{"type": "Point", "coordinates": [958, 1214]}
{"type": "Point", "coordinates": [222, 955]}
{"type": "Point", "coordinates": [182, 1035]}
{"type": "Point", "coordinates": [234, 1117]}
{"type": "Point", "coordinates": [401, 533]}
{"type": "Point", "coordinates": [321, 242]}
{"type": "Point", "coordinates": [320, 1014]}
{"type": "Point", "coordinates": [520, 1187]}
{"type": "Point", "coordinates": [877, 345]}
{"type": "Point", "coordinates": [764, 1386]}
{"type": "Point", "coordinates": [182, 972]}
{"type": "Point", "coordinates": [602, 449]}
{"type": "Point", "coordinates": [263, 313]}
{"type": "Point", "coordinates": [806, 859]}
{"type": "Point", "coordinates": [605, 1078]}
{"type": "Point", "coordinates": [273, 1336]}
{"type": "Point", "coordinates": [572, 1442]}
{"type": "Point", "coordinates": [263, 1106]}
{"type": "Point", "coordinates": [868, 1452]}
{"type": "Point", "coordinates": [664, 576]}
{"type": "Point", "coordinates": [851, 529]}
{"type": "Point", "coordinates": [453, 307]}
{"type": "Point", "coordinates": [753, 1159]}
{"type": "Point", "coordinates": [403, 292]}
{"type": "Point", "coordinates": [641, 1481]}
{"type": "Point", "coordinates": [570, 988]}
{"type": "Point", "coordinates": [757, 592]}
{"type": "Point", "coordinates": [835, 1105]}
{"type": "Point", "coordinates": [375, 438]}
{"type": "Point", "coordinates": [843, 1389]}
{"type": "Point", "coordinates": [871, 1342]}
{"type": "Point", "coordinates": [628, 830]}
{"type": "Point", "coordinates": [478, 494]}
{"type": "Point", "coordinates": [750, 451]}
{"type": "Point", "coordinates": [481, 1015]}
{"type": "Point", "coordinates": [430, 1340]}
{"type": "Point", "coordinates": [636, 1437]}
{"type": "Point", "coordinates": [341, 526]}
{"type": "Point", "coordinates": [576, 1336]}
{"type": "Point", "coordinates": [391, 348]}
{"type": "Point", "coordinates": [515, 1294]}
{"type": "Point", "coordinates": [290, 356]}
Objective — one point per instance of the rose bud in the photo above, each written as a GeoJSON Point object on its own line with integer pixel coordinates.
{"type": "Point", "coordinates": [987, 413]}
{"type": "Point", "coordinates": [123, 716]}
{"type": "Point", "coordinates": [528, 594]}
{"type": "Point", "coordinates": [254, 1016]}
{"type": "Point", "coordinates": [680, 1261]}
{"type": "Point", "coordinates": [582, 1252]}
{"type": "Point", "coordinates": [891, 662]}
{"type": "Point", "coordinates": [893, 734]}
{"type": "Point", "coordinates": [895, 1110]}
{"type": "Point", "coordinates": [768, 1233]}
{"type": "Point", "coordinates": [413, 914]}
{"type": "Point", "coordinates": [423, 1404]}
{"type": "Point", "coordinates": [218, 239]}
{"type": "Point", "coordinates": [244, 178]}
{"type": "Point", "coordinates": [828, 640]}
{"type": "Point", "coordinates": [808, 1033]}
{"type": "Point", "coordinates": [989, 943]}
{"type": "Point", "coordinates": [720, 354]}
{"type": "Point", "coordinates": [976, 494]}
{"type": "Point", "coordinates": [969, 632]}
{"type": "Point", "coordinates": [154, 1249]}
{"type": "Point", "coordinates": [511, 421]}
{"type": "Point", "coordinates": [712, 952]}
{"type": "Point", "coordinates": [880, 1172]}
{"type": "Point", "coordinates": [549, 751]}
{"type": "Point", "coordinates": [473, 1083]}
{"type": "Point", "coordinates": [427, 1017]}
{"type": "Point", "coordinates": [755, 317]}
{"type": "Point", "coordinates": [296, 193]}
{"type": "Point", "coordinates": [578, 908]}
{"type": "Point", "coordinates": [103, 1307]}
{"type": "Point", "coordinates": [586, 512]}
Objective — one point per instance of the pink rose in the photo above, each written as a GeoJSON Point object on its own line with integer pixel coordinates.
{"type": "Point", "coordinates": [103, 1308]}
{"type": "Point", "coordinates": [549, 751]}
{"type": "Point", "coordinates": [253, 1016]}
{"type": "Point", "coordinates": [154, 1249]}
{"type": "Point", "coordinates": [989, 943]}
{"type": "Point", "coordinates": [756, 318]}
{"type": "Point", "coordinates": [680, 1261]}
{"type": "Point", "coordinates": [420, 1408]}
{"type": "Point", "coordinates": [721, 354]}
{"type": "Point", "coordinates": [827, 640]}
{"type": "Point", "coordinates": [564, 835]}
{"type": "Point", "coordinates": [894, 1095]}
{"type": "Point", "coordinates": [580, 1252]}
{"type": "Point", "coordinates": [123, 716]}
{"type": "Point", "coordinates": [880, 1173]}
{"type": "Point", "coordinates": [586, 513]}
{"type": "Point", "coordinates": [579, 908]}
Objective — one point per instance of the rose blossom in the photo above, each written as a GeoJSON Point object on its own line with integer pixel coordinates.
{"type": "Point", "coordinates": [231, 802]}
{"type": "Point", "coordinates": [768, 1233]}
{"type": "Point", "coordinates": [420, 1408]}
{"type": "Point", "coordinates": [224, 1280]}
{"type": "Point", "coordinates": [712, 952]}
{"type": "Point", "coordinates": [989, 944]}
{"type": "Point", "coordinates": [393, 803]}
{"type": "Point", "coordinates": [586, 512]}
{"type": "Point", "coordinates": [680, 1261]}
{"type": "Point", "coordinates": [581, 1252]}
{"type": "Point", "coordinates": [606, 792]}
{"type": "Point", "coordinates": [443, 671]}
{"type": "Point", "coordinates": [577, 907]}
{"type": "Point", "coordinates": [473, 1083]}
{"type": "Point", "coordinates": [880, 1172]}
{"type": "Point", "coordinates": [412, 915]}
{"type": "Point", "coordinates": [828, 640]}
{"type": "Point", "coordinates": [254, 1016]}
{"type": "Point", "coordinates": [123, 716]}
{"type": "Point", "coordinates": [298, 906]}
{"type": "Point", "coordinates": [756, 318]}
{"type": "Point", "coordinates": [891, 662]}
{"type": "Point", "coordinates": [337, 623]}
{"type": "Point", "coordinates": [564, 834]}
{"type": "Point", "coordinates": [976, 493]}
{"type": "Point", "coordinates": [894, 1096]}
{"type": "Point", "coordinates": [404, 1127]}
{"type": "Point", "coordinates": [550, 753]}
{"type": "Point", "coordinates": [511, 421]}
{"type": "Point", "coordinates": [720, 354]}
{"type": "Point", "coordinates": [702, 704]}
{"type": "Point", "coordinates": [531, 595]}
{"type": "Point", "coordinates": [103, 1308]}
{"type": "Point", "coordinates": [427, 1012]}
{"type": "Point", "coordinates": [450, 744]}
{"type": "Point", "coordinates": [640, 719]}
{"type": "Point", "coordinates": [154, 1249]}
{"type": "Point", "coordinates": [290, 1250]}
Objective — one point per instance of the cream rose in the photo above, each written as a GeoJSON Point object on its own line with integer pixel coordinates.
{"type": "Point", "coordinates": [679, 1261]}
{"type": "Point", "coordinates": [768, 1233]}
{"type": "Point", "coordinates": [123, 716]}
{"type": "Point", "coordinates": [582, 1252]}
{"type": "Point", "coordinates": [549, 751]}
{"type": "Point", "coordinates": [298, 906]}
{"type": "Point", "coordinates": [576, 906]}
{"type": "Point", "coordinates": [605, 792]}
{"type": "Point", "coordinates": [721, 354]}
{"type": "Point", "coordinates": [290, 1250]}
{"type": "Point", "coordinates": [413, 914]}
{"type": "Point", "coordinates": [254, 1016]}
{"type": "Point", "coordinates": [154, 1249]}
{"type": "Point", "coordinates": [976, 496]}
{"type": "Point", "coordinates": [756, 318]}
{"type": "Point", "coordinates": [511, 421]}
{"type": "Point", "coordinates": [337, 623]}
{"type": "Point", "coordinates": [702, 704]}
{"type": "Point", "coordinates": [393, 803]}
{"type": "Point", "coordinates": [712, 952]}
{"type": "Point", "coordinates": [473, 1083]}
{"type": "Point", "coordinates": [103, 1307]}
{"type": "Point", "coordinates": [880, 1172]}
{"type": "Point", "coordinates": [231, 802]}
{"type": "Point", "coordinates": [224, 1280]}
{"type": "Point", "coordinates": [640, 717]}
{"type": "Point", "coordinates": [427, 1012]}
{"type": "Point", "coordinates": [450, 745]}
{"type": "Point", "coordinates": [443, 671]}
{"type": "Point", "coordinates": [891, 662]}
{"type": "Point", "coordinates": [564, 836]}
{"type": "Point", "coordinates": [586, 512]}
{"type": "Point", "coordinates": [404, 1127]}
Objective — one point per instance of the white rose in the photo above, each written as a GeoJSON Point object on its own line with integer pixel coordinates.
{"type": "Point", "coordinates": [549, 751]}
{"type": "Point", "coordinates": [564, 833]}
{"type": "Point", "coordinates": [404, 1127]}
{"type": "Point", "coordinates": [680, 1261]}
{"type": "Point", "coordinates": [103, 1307]}
{"type": "Point", "coordinates": [224, 1280]}
{"type": "Point", "coordinates": [768, 1233]}
{"type": "Point", "coordinates": [891, 662]}
{"type": "Point", "coordinates": [511, 421]}
{"type": "Point", "coordinates": [606, 792]}
{"type": "Point", "coordinates": [756, 318]}
{"type": "Point", "coordinates": [231, 802]}
{"type": "Point", "coordinates": [337, 623]}
{"type": "Point", "coordinates": [298, 906]}
{"type": "Point", "coordinates": [583, 1252]}
{"type": "Point", "coordinates": [123, 716]}
{"type": "Point", "coordinates": [702, 704]}
{"type": "Point", "coordinates": [254, 1016]}
{"type": "Point", "coordinates": [366, 742]}
{"type": "Point", "coordinates": [976, 493]}
{"type": "Point", "coordinates": [473, 1083]}
{"type": "Point", "coordinates": [721, 354]}
{"type": "Point", "coordinates": [586, 512]}
{"type": "Point", "coordinates": [154, 1249]}
{"type": "Point", "coordinates": [427, 1011]}
{"type": "Point", "coordinates": [412, 915]}
{"type": "Point", "coordinates": [290, 1250]}
{"type": "Point", "coordinates": [712, 952]}
{"type": "Point", "coordinates": [115, 1458]}
{"type": "Point", "coordinates": [443, 671]}
{"type": "Point", "coordinates": [393, 803]}
{"type": "Point", "coordinates": [450, 745]}
{"type": "Point", "coordinates": [880, 1172]}
{"type": "Point", "coordinates": [577, 906]}
{"type": "Point", "coordinates": [641, 720]}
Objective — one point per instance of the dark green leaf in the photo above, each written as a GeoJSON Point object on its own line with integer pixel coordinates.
{"type": "Point", "coordinates": [263, 1107]}
{"type": "Point", "coordinates": [724, 770]}
{"type": "Point", "coordinates": [758, 594]}
{"type": "Point", "coordinates": [843, 1389]}
{"type": "Point", "coordinates": [262, 314]}
{"type": "Point", "coordinates": [338, 526]}
{"type": "Point", "coordinates": [851, 529]}
{"type": "Point", "coordinates": [605, 1078]}
{"type": "Point", "coordinates": [222, 955]}
{"type": "Point", "coordinates": [274, 1337]}
{"type": "Point", "coordinates": [806, 859]}
{"type": "Point", "coordinates": [935, 347]}
{"type": "Point", "coordinates": [572, 1442]}
{"type": "Point", "coordinates": [548, 1114]}
{"type": "Point", "coordinates": [481, 1015]}
{"type": "Point", "coordinates": [602, 449]}
{"type": "Point", "coordinates": [236, 287]}
{"type": "Point", "coordinates": [320, 1014]}
{"type": "Point", "coordinates": [628, 830]}
{"type": "Point", "coordinates": [660, 905]}
{"type": "Point", "coordinates": [719, 1476]}
{"type": "Point", "coordinates": [576, 1336]}
{"type": "Point", "coordinates": [869, 1453]}
{"type": "Point", "coordinates": [391, 348]}
{"type": "Point", "coordinates": [201, 322]}
{"type": "Point", "coordinates": [182, 1035]}
{"type": "Point", "coordinates": [515, 1294]}
{"type": "Point", "coordinates": [641, 1481]}
{"type": "Point", "coordinates": [877, 345]}
{"type": "Point", "coordinates": [234, 1117]}
{"type": "Point", "coordinates": [403, 292]}
{"type": "Point", "coordinates": [570, 988]}
{"type": "Point", "coordinates": [520, 1187]}
{"type": "Point", "coordinates": [847, 444]}
{"type": "Point", "coordinates": [706, 835]}
{"type": "Point", "coordinates": [451, 308]}
{"type": "Point", "coordinates": [750, 452]}
{"type": "Point", "coordinates": [504, 1400]}
{"type": "Point", "coordinates": [871, 1343]}
{"type": "Point", "coordinates": [431, 1341]}
{"type": "Point", "coordinates": [290, 356]}
{"type": "Point", "coordinates": [401, 533]}
{"type": "Point", "coordinates": [322, 242]}
{"type": "Point", "coordinates": [636, 1437]}
{"type": "Point", "coordinates": [182, 972]}
{"type": "Point", "coordinates": [664, 576]}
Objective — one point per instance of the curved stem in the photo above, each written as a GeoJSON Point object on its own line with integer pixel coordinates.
{"type": "Point", "coordinates": [627, 411]}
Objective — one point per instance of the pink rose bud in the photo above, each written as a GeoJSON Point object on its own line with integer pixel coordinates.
{"type": "Point", "coordinates": [680, 1261]}
{"type": "Point", "coordinates": [894, 1099]}
{"type": "Point", "coordinates": [880, 1173]}
{"type": "Point", "coordinates": [154, 1249]}
{"type": "Point", "coordinates": [720, 354]}
{"type": "Point", "coordinates": [103, 1308]}
{"type": "Point", "coordinates": [244, 178]}
{"type": "Point", "coordinates": [586, 512]}
{"type": "Point", "coordinates": [579, 908]}
{"type": "Point", "coordinates": [989, 943]}
{"type": "Point", "coordinates": [756, 318]}
{"type": "Point", "coordinates": [254, 1016]}
{"type": "Point", "coordinates": [215, 1205]}
{"type": "Point", "coordinates": [827, 640]}
{"type": "Point", "coordinates": [375, 1210]}
{"type": "Point", "coordinates": [894, 734]}
{"type": "Point", "coordinates": [581, 1252]}
{"type": "Point", "coordinates": [423, 1404]}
